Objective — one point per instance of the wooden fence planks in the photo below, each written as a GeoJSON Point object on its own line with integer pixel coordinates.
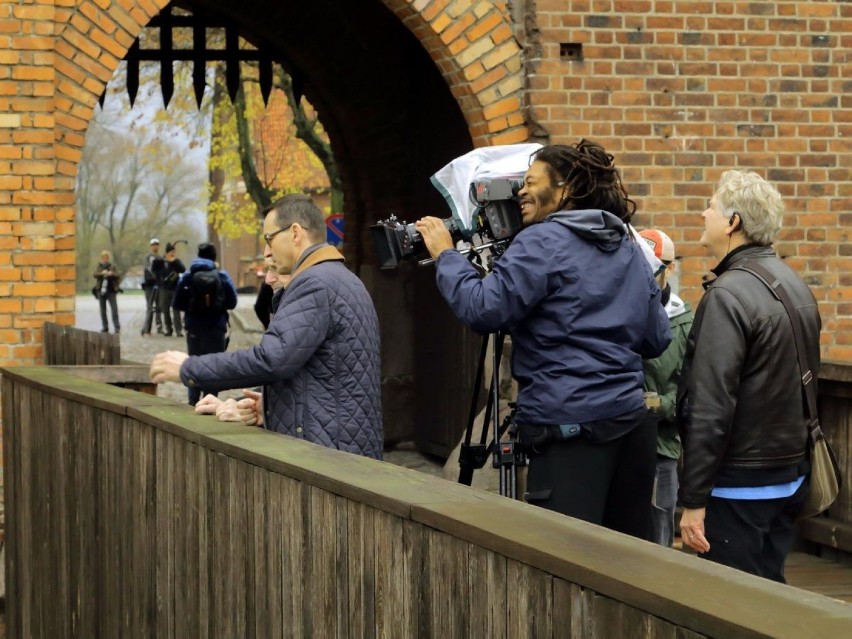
{"type": "Point", "coordinates": [139, 518]}
{"type": "Point", "coordinates": [67, 345]}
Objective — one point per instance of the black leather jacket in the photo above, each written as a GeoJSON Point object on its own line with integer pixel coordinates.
{"type": "Point", "coordinates": [740, 398]}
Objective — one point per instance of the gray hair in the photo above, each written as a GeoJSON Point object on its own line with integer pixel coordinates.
{"type": "Point", "coordinates": [755, 201]}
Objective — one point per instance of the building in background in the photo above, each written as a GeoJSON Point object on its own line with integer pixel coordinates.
{"type": "Point", "coordinates": [283, 162]}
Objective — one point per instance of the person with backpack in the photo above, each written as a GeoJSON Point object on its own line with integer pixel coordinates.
{"type": "Point", "coordinates": [153, 266]}
{"type": "Point", "coordinates": [205, 294]}
{"type": "Point", "coordinates": [173, 270]}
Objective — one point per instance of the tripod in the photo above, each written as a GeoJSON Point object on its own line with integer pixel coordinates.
{"type": "Point", "coordinates": [505, 456]}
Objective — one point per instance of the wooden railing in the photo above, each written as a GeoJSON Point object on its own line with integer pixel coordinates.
{"type": "Point", "coordinates": [834, 529]}
{"type": "Point", "coordinates": [129, 515]}
{"type": "Point", "coordinates": [67, 345]}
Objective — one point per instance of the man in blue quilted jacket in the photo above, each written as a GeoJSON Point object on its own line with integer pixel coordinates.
{"type": "Point", "coordinates": [318, 361]}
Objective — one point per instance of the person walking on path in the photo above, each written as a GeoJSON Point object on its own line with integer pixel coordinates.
{"type": "Point", "coordinates": [174, 268]}
{"type": "Point", "coordinates": [153, 267]}
{"type": "Point", "coordinates": [661, 378]}
{"type": "Point", "coordinates": [107, 282]}
{"type": "Point", "coordinates": [205, 294]}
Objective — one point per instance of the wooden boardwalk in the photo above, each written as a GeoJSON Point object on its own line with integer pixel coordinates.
{"type": "Point", "coordinates": [814, 574]}
{"type": "Point", "coordinates": [818, 575]}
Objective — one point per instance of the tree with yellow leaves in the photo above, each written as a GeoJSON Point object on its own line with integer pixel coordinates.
{"type": "Point", "coordinates": [260, 152]}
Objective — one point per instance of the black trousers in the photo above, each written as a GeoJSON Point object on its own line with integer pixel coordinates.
{"type": "Point", "coordinates": [152, 309]}
{"type": "Point", "coordinates": [203, 343]}
{"type": "Point", "coordinates": [609, 484]}
{"type": "Point", "coordinates": [110, 298]}
{"type": "Point", "coordinates": [164, 301]}
{"type": "Point", "coordinates": [753, 535]}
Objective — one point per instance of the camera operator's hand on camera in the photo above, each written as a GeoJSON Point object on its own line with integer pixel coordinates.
{"type": "Point", "coordinates": [435, 235]}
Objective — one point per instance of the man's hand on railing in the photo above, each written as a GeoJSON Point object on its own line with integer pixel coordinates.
{"type": "Point", "coordinates": [225, 410]}
{"type": "Point", "coordinates": [250, 407]}
{"type": "Point", "coordinates": [207, 405]}
{"type": "Point", "coordinates": [166, 366]}
{"type": "Point", "coordinates": [248, 410]}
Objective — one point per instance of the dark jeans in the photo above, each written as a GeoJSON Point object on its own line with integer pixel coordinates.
{"type": "Point", "coordinates": [753, 535]}
{"type": "Point", "coordinates": [609, 483]}
{"type": "Point", "coordinates": [164, 301]}
{"type": "Point", "coordinates": [665, 500]}
{"type": "Point", "coordinates": [152, 309]}
{"type": "Point", "coordinates": [203, 343]}
{"type": "Point", "coordinates": [113, 305]}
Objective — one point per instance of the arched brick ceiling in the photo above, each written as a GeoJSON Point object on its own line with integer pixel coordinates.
{"type": "Point", "coordinates": [390, 114]}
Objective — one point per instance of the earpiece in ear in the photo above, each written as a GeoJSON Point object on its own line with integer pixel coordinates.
{"type": "Point", "coordinates": [731, 221]}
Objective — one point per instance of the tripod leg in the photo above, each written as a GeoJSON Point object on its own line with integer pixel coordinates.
{"type": "Point", "coordinates": [473, 457]}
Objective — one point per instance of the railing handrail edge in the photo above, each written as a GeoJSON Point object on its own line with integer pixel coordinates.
{"type": "Point", "coordinates": [436, 503]}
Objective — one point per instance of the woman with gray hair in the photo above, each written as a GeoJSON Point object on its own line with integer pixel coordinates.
{"type": "Point", "coordinates": [106, 288]}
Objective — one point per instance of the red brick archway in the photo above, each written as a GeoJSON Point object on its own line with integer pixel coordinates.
{"type": "Point", "coordinates": [401, 86]}
{"type": "Point", "coordinates": [66, 55]}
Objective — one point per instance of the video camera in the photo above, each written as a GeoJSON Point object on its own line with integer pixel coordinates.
{"type": "Point", "coordinates": [496, 220]}
{"type": "Point", "coordinates": [481, 188]}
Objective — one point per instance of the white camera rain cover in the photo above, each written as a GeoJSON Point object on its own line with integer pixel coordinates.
{"type": "Point", "coordinates": [502, 161]}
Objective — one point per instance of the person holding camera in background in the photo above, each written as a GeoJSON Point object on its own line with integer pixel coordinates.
{"type": "Point", "coordinates": [579, 299]}
{"type": "Point", "coordinates": [152, 265]}
{"type": "Point", "coordinates": [106, 289]}
{"type": "Point", "coordinates": [173, 269]}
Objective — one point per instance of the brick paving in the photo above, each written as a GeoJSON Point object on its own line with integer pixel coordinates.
{"type": "Point", "coordinates": [245, 331]}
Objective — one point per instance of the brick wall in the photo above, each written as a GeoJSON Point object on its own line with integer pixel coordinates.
{"type": "Point", "coordinates": [56, 57]}
{"type": "Point", "coordinates": [681, 91]}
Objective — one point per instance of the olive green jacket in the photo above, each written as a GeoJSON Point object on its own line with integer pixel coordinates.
{"type": "Point", "coordinates": [662, 373]}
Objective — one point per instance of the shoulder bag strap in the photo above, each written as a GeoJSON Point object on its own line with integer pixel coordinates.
{"type": "Point", "coordinates": [780, 293]}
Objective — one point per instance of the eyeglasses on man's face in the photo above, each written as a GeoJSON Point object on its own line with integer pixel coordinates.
{"type": "Point", "coordinates": [268, 236]}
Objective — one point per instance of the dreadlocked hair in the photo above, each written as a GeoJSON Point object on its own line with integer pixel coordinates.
{"type": "Point", "coordinates": [592, 179]}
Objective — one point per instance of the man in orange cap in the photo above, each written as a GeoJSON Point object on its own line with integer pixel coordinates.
{"type": "Point", "coordinates": [661, 377]}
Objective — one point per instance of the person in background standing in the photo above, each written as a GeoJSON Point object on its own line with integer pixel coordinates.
{"type": "Point", "coordinates": [229, 409]}
{"type": "Point", "coordinates": [264, 305]}
{"type": "Point", "coordinates": [661, 377]}
{"type": "Point", "coordinates": [150, 284]}
{"type": "Point", "coordinates": [205, 294]}
{"type": "Point", "coordinates": [107, 287]}
{"type": "Point", "coordinates": [173, 270]}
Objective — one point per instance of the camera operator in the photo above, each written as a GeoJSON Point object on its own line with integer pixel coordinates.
{"type": "Point", "coordinates": [580, 302]}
